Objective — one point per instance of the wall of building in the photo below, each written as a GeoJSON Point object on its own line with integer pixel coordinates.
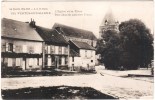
{"type": "Point", "coordinates": [20, 54]}
{"type": "Point", "coordinates": [86, 59]}
{"type": "Point", "coordinates": [56, 56]}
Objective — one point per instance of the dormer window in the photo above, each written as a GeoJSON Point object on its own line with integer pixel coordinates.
{"type": "Point", "coordinates": [106, 22]}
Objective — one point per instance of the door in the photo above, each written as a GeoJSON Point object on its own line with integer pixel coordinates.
{"type": "Point", "coordinates": [56, 61]}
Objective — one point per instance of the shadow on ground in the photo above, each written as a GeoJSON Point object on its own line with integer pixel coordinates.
{"type": "Point", "coordinates": [44, 73]}
{"type": "Point", "coordinates": [57, 92]}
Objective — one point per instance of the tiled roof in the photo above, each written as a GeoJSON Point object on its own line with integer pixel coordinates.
{"type": "Point", "coordinates": [51, 36]}
{"type": "Point", "coordinates": [19, 30]}
{"type": "Point", "coordinates": [75, 32]}
{"type": "Point", "coordinates": [82, 45]}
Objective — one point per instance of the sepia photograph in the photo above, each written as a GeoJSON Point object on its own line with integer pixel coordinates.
{"type": "Point", "coordinates": [77, 49]}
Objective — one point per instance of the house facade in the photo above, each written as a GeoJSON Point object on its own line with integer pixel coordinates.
{"type": "Point", "coordinates": [56, 48]}
{"type": "Point", "coordinates": [21, 46]}
{"type": "Point", "coordinates": [82, 46]}
{"type": "Point", "coordinates": [26, 46]}
{"type": "Point", "coordinates": [84, 58]}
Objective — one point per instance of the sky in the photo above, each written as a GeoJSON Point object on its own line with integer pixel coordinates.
{"type": "Point", "coordinates": [89, 15]}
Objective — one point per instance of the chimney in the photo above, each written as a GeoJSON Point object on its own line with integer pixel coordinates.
{"type": "Point", "coordinates": [33, 23]}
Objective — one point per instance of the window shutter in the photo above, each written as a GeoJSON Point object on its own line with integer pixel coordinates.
{"type": "Point", "coordinates": [48, 49]}
{"type": "Point", "coordinates": [3, 47]}
{"type": "Point", "coordinates": [14, 48]}
{"type": "Point", "coordinates": [7, 47]}
{"type": "Point", "coordinates": [52, 49]}
{"type": "Point", "coordinates": [66, 50]}
{"type": "Point", "coordinates": [60, 50]}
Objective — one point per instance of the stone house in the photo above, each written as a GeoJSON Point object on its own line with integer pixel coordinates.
{"type": "Point", "coordinates": [56, 48]}
{"type": "Point", "coordinates": [21, 46]}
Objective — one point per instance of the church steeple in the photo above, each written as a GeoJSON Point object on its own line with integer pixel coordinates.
{"type": "Point", "coordinates": [108, 23]}
{"type": "Point", "coordinates": [108, 18]}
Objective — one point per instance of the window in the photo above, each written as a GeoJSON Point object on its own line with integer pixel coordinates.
{"type": "Point", "coordinates": [53, 60]}
{"type": "Point", "coordinates": [24, 48]}
{"type": "Point", "coordinates": [31, 49]}
{"type": "Point", "coordinates": [10, 62]}
{"type": "Point", "coordinates": [52, 49]}
{"type": "Point", "coordinates": [91, 60]}
{"type": "Point", "coordinates": [3, 47]}
{"type": "Point", "coordinates": [66, 60]}
{"type": "Point", "coordinates": [49, 61]}
{"type": "Point", "coordinates": [91, 53]}
{"type": "Point", "coordinates": [10, 47]}
{"type": "Point", "coordinates": [18, 49]}
{"type": "Point", "coordinates": [18, 60]}
{"type": "Point", "coordinates": [66, 50]}
{"type": "Point", "coordinates": [60, 60]}
{"type": "Point", "coordinates": [48, 49]}
{"type": "Point", "coordinates": [60, 50]}
{"type": "Point", "coordinates": [106, 22]}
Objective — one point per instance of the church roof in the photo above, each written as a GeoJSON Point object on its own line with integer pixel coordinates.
{"type": "Point", "coordinates": [75, 32]}
{"type": "Point", "coordinates": [109, 18]}
{"type": "Point", "coordinates": [19, 30]}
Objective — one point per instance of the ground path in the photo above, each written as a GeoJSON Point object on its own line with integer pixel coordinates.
{"type": "Point", "coordinates": [112, 85]}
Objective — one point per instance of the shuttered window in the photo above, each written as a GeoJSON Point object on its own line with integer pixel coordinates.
{"type": "Point", "coordinates": [18, 49]}
{"type": "Point", "coordinates": [48, 49]}
{"type": "Point", "coordinates": [24, 48]}
{"type": "Point", "coordinates": [31, 49]}
{"type": "Point", "coordinates": [3, 47]}
{"type": "Point", "coordinates": [66, 50]}
{"type": "Point", "coordinates": [10, 62]}
{"type": "Point", "coordinates": [60, 50]}
{"type": "Point", "coordinates": [52, 49]}
{"type": "Point", "coordinates": [7, 46]}
{"type": "Point", "coordinates": [18, 61]}
{"type": "Point", "coordinates": [10, 47]}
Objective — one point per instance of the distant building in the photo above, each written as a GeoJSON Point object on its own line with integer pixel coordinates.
{"type": "Point", "coordinates": [85, 55]}
{"type": "Point", "coordinates": [72, 33]}
{"type": "Point", "coordinates": [109, 23]}
{"type": "Point", "coordinates": [56, 48]}
{"type": "Point", "coordinates": [82, 46]}
{"type": "Point", "coordinates": [21, 46]}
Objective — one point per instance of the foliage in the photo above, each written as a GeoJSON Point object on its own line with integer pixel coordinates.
{"type": "Point", "coordinates": [131, 48]}
{"type": "Point", "coordinates": [137, 44]}
{"type": "Point", "coordinates": [110, 49]}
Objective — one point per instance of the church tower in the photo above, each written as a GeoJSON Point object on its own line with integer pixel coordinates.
{"type": "Point", "coordinates": [108, 23]}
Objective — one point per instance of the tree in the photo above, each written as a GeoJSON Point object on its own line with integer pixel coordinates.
{"type": "Point", "coordinates": [136, 43]}
{"type": "Point", "coordinates": [110, 51]}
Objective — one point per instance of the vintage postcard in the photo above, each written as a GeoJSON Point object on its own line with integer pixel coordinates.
{"type": "Point", "coordinates": [77, 50]}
